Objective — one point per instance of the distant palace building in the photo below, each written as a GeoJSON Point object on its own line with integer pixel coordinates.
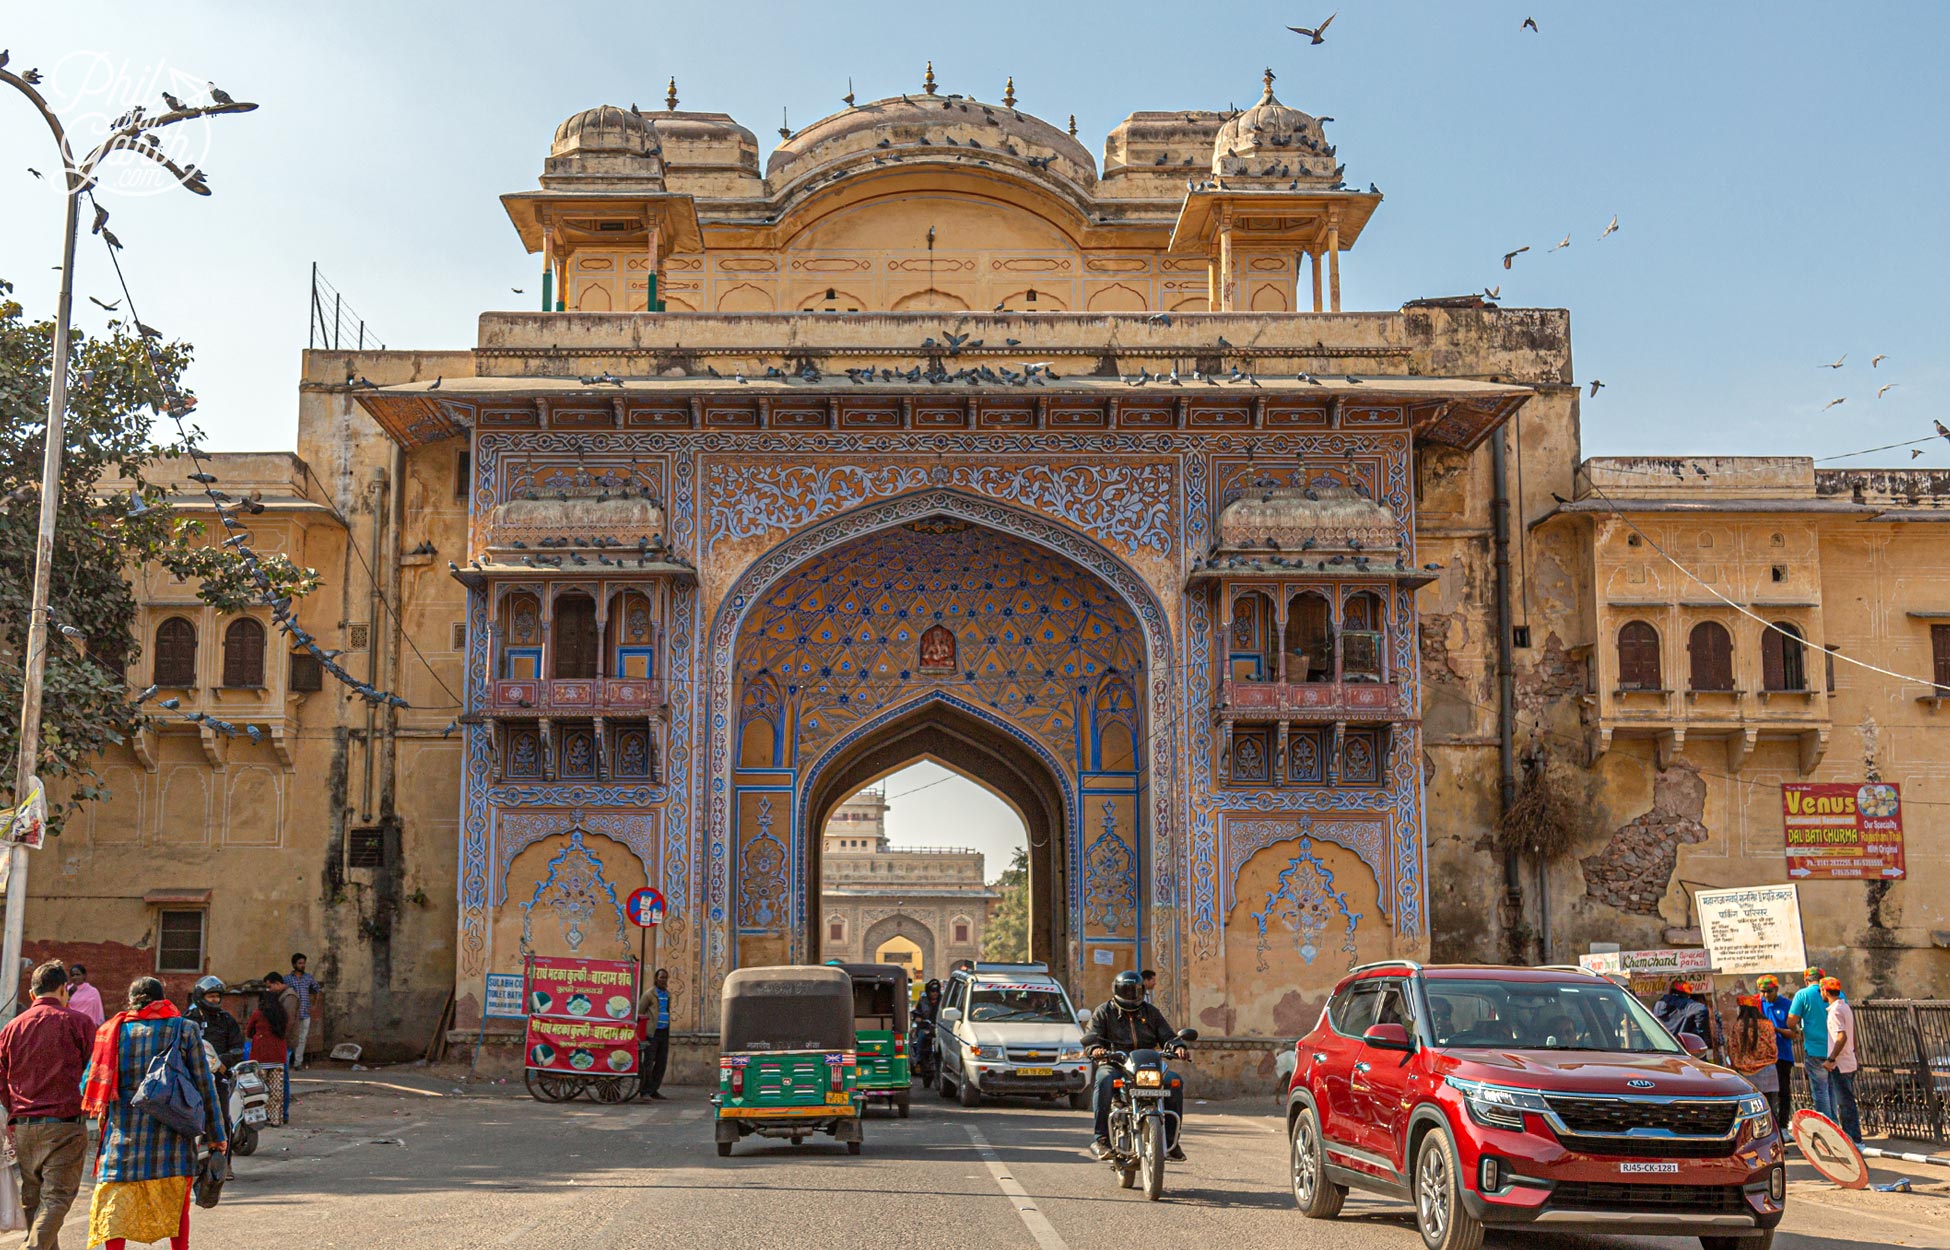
{"type": "Point", "coordinates": [922, 907]}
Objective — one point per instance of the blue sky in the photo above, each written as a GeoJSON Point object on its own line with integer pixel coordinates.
{"type": "Point", "coordinates": [1776, 169]}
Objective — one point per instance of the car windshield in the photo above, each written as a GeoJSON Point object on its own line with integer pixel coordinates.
{"type": "Point", "coordinates": [1019, 1004]}
{"type": "Point", "coordinates": [1543, 1015]}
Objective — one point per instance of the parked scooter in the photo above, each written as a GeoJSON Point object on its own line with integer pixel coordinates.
{"type": "Point", "coordinates": [1140, 1131]}
{"type": "Point", "coordinates": [246, 1097]}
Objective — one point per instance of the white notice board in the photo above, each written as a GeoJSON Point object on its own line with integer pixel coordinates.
{"type": "Point", "coordinates": [1753, 928]}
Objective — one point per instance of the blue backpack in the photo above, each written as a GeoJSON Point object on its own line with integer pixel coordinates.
{"type": "Point", "coordinates": [169, 1092]}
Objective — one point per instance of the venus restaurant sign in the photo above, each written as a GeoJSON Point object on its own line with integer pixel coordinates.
{"type": "Point", "coordinates": [1841, 831]}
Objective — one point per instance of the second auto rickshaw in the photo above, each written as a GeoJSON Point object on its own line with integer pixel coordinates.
{"type": "Point", "coordinates": [880, 1032]}
{"type": "Point", "coordinates": [787, 1065]}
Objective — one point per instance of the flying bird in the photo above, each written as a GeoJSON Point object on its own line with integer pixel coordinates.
{"type": "Point", "coordinates": [1595, 385]}
{"type": "Point", "coordinates": [1493, 292]}
{"type": "Point", "coordinates": [1884, 390]}
{"type": "Point", "coordinates": [1318, 34]}
{"type": "Point", "coordinates": [1530, 24]}
{"type": "Point", "coordinates": [517, 290]}
{"type": "Point", "coordinates": [1837, 364]}
{"type": "Point", "coordinates": [1877, 361]}
{"type": "Point", "coordinates": [1831, 403]}
{"type": "Point", "coordinates": [1915, 452]}
{"type": "Point", "coordinates": [1612, 228]}
{"type": "Point", "coordinates": [105, 307]}
{"type": "Point", "coordinates": [1564, 243]}
{"type": "Point", "coordinates": [38, 174]}
{"type": "Point", "coordinates": [1510, 256]}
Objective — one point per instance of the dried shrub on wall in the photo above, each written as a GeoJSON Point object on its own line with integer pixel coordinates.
{"type": "Point", "coordinates": [1544, 820]}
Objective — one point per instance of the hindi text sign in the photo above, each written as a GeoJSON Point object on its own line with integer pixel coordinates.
{"type": "Point", "coordinates": [1753, 929]}
{"type": "Point", "coordinates": [581, 1015]}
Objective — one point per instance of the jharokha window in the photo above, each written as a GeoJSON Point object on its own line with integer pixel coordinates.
{"type": "Point", "coordinates": [521, 637]}
{"type": "Point", "coordinates": [175, 653]}
{"type": "Point", "coordinates": [1710, 650]}
{"type": "Point", "coordinates": [243, 654]}
{"type": "Point", "coordinates": [1309, 638]}
{"type": "Point", "coordinates": [630, 646]}
{"type": "Point", "coordinates": [575, 636]}
{"type": "Point", "coordinates": [1361, 637]}
{"type": "Point", "coordinates": [1783, 658]}
{"type": "Point", "coordinates": [1250, 655]}
{"type": "Point", "coordinates": [1638, 657]}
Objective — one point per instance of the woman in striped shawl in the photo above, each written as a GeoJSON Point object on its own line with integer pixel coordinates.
{"type": "Point", "coordinates": [144, 1168]}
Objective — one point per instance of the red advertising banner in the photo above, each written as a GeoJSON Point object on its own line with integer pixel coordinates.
{"type": "Point", "coordinates": [1840, 831]}
{"type": "Point", "coordinates": [581, 1014]}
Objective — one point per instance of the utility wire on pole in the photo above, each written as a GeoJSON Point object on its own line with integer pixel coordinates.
{"type": "Point", "coordinates": [128, 133]}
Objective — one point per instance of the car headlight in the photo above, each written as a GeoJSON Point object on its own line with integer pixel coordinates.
{"type": "Point", "coordinates": [1070, 1054]}
{"type": "Point", "coordinates": [1496, 1105]}
{"type": "Point", "coordinates": [1755, 1110]}
{"type": "Point", "coordinates": [1150, 1076]}
{"type": "Point", "coordinates": [985, 1052]}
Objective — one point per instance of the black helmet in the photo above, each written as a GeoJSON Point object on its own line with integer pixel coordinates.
{"type": "Point", "coordinates": [933, 984]}
{"type": "Point", "coordinates": [209, 985]}
{"type": "Point", "coordinates": [1127, 990]}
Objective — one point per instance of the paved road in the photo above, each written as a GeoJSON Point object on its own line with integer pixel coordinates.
{"type": "Point", "coordinates": [382, 1166]}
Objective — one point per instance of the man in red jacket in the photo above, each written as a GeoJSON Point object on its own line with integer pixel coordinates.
{"type": "Point", "coordinates": [43, 1052]}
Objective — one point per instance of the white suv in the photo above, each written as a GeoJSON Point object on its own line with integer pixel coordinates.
{"type": "Point", "coordinates": [1010, 1029]}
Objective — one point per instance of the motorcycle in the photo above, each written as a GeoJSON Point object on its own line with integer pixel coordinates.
{"type": "Point", "coordinates": [922, 1057]}
{"type": "Point", "coordinates": [1139, 1131]}
{"type": "Point", "coordinates": [246, 1099]}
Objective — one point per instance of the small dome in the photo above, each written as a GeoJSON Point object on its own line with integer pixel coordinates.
{"type": "Point", "coordinates": [941, 128]}
{"type": "Point", "coordinates": [604, 129]}
{"type": "Point", "coordinates": [1334, 518]}
{"type": "Point", "coordinates": [1271, 132]}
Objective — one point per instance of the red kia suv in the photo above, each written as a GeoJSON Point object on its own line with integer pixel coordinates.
{"type": "Point", "coordinates": [1530, 1098]}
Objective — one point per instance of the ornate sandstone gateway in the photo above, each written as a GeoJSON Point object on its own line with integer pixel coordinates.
{"type": "Point", "coordinates": [1149, 575]}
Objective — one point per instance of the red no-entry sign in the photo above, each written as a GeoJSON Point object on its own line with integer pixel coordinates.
{"type": "Point", "coordinates": [646, 908]}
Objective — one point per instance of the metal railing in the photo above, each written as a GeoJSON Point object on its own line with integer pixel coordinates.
{"type": "Point", "coordinates": [1902, 1087]}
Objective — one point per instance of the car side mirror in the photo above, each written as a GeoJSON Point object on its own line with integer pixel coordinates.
{"type": "Point", "coordinates": [1695, 1044]}
{"type": "Point", "coordinates": [950, 1015]}
{"type": "Point", "coordinates": [1083, 1019]}
{"type": "Point", "coordinates": [1188, 1035]}
{"type": "Point", "coordinates": [1387, 1037]}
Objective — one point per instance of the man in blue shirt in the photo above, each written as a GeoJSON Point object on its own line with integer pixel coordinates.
{"type": "Point", "coordinates": [1774, 1005]}
{"type": "Point", "coordinates": [1809, 1012]}
{"type": "Point", "coordinates": [654, 1057]}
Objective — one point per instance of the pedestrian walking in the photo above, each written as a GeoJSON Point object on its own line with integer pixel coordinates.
{"type": "Point", "coordinates": [265, 1031]}
{"type": "Point", "coordinates": [43, 1053]}
{"type": "Point", "coordinates": [653, 1023]}
{"type": "Point", "coordinates": [1841, 1058]}
{"type": "Point", "coordinates": [308, 990]}
{"type": "Point", "coordinates": [83, 997]}
{"type": "Point", "coordinates": [1751, 1049]}
{"type": "Point", "coordinates": [1810, 1016]}
{"type": "Point", "coordinates": [144, 1168]}
{"type": "Point", "coordinates": [1774, 1005]}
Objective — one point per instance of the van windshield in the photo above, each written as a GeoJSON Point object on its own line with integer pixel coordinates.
{"type": "Point", "coordinates": [1019, 1004]}
{"type": "Point", "coordinates": [1543, 1015]}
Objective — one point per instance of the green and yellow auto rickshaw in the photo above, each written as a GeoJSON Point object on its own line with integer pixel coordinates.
{"type": "Point", "coordinates": [787, 1065]}
{"type": "Point", "coordinates": [880, 1032]}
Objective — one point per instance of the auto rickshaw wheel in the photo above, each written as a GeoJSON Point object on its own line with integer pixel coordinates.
{"type": "Point", "coordinates": [853, 1147]}
{"type": "Point", "coordinates": [902, 1104]}
{"type": "Point", "coordinates": [724, 1150]}
{"type": "Point", "coordinates": [798, 1140]}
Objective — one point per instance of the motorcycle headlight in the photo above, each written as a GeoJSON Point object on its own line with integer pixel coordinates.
{"type": "Point", "coordinates": [1150, 1076]}
{"type": "Point", "coordinates": [1755, 1110]}
{"type": "Point", "coordinates": [1496, 1106]}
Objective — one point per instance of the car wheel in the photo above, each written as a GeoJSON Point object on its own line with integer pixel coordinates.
{"type": "Point", "coordinates": [970, 1096]}
{"type": "Point", "coordinates": [1080, 1100]}
{"type": "Point", "coordinates": [853, 1147]}
{"type": "Point", "coordinates": [1439, 1213]}
{"type": "Point", "coordinates": [1317, 1197]}
{"type": "Point", "coordinates": [1717, 1242]}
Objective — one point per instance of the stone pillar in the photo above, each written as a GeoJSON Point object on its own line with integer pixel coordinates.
{"type": "Point", "coordinates": [1314, 256]}
{"type": "Point", "coordinates": [650, 283]}
{"type": "Point", "coordinates": [1212, 285]}
{"type": "Point", "coordinates": [1334, 261]}
{"type": "Point", "coordinates": [548, 269]}
{"type": "Point", "coordinates": [1228, 278]}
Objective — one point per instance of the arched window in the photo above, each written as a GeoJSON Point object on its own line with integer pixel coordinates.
{"type": "Point", "coordinates": [575, 636]}
{"type": "Point", "coordinates": [1711, 651]}
{"type": "Point", "coordinates": [243, 653]}
{"type": "Point", "coordinates": [521, 637]}
{"type": "Point", "coordinates": [1251, 655]}
{"type": "Point", "coordinates": [1783, 658]}
{"type": "Point", "coordinates": [1638, 657]}
{"type": "Point", "coordinates": [1309, 638]}
{"type": "Point", "coordinates": [962, 929]}
{"type": "Point", "coordinates": [836, 930]}
{"type": "Point", "coordinates": [631, 637]}
{"type": "Point", "coordinates": [1361, 635]}
{"type": "Point", "coordinates": [175, 653]}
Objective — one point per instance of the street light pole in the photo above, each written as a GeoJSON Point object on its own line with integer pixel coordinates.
{"type": "Point", "coordinates": [130, 133]}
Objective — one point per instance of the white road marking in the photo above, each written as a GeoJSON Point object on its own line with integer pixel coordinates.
{"type": "Point", "coordinates": [1032, 1218]}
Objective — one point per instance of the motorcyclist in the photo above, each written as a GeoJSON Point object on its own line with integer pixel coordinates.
{"type": "Point", "coordinates": [922, 1024]}
{"type": "Point", "coordinates": [927, 1009]}
{"type": "Point", "coordinates": [220, 1028]}
{"type": "Point", "coordinates": [1126, 1023]}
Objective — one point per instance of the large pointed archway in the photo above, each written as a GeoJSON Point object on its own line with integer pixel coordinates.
{"type": "Point", "coordinates": [943, 730]}
{"type": "Point", "coordinates": [940, 625]}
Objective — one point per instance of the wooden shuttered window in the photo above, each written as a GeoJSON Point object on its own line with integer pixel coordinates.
{"type": "Point", "coordinates": [1783, 658]}
{"type": "Point", "coordinates": [243, 653]}
{"type": "Point", "coordinates": [1940, 654]}
{"type": "Point", "coordinates": [175, 653]}
{"type": "Point", "coordinates": [1638, 657]}
{"type": "Point", "coordinates": [1710, 650]}
{"type": "Point", "coordinates": [576, 643]}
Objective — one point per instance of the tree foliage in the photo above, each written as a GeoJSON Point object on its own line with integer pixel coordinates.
{"type": "Point", "coordinates": [103, 536]}
{"type": "Point", "coordinates": [1006, 939]}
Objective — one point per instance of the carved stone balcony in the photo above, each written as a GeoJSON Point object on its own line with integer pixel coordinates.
{"type": "Point", "coordinates": [531, 698]}
{"type": "Point", "coordinates": [1364, 701]}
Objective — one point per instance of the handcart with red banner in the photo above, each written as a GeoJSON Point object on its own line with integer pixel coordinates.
{"type": "Point", "coordinates": [582, 1036]}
